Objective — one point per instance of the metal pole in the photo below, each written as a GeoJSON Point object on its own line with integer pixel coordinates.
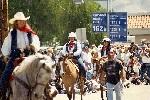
{"type": "Point", "coordinates": [108, 18]}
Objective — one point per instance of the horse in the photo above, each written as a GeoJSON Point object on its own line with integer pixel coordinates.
{"type": "Point", "coordinates": [70, 77]}
{"type": "Point", "coordinates": [97, 63]}
{"type": "Point", "coordinates": [30, 78]}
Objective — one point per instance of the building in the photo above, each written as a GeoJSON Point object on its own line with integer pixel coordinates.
{"type": "Point", "coordinates": [139, 26]}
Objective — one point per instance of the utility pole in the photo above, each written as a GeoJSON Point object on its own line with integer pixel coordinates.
{"type": "Point", "coordinates": [3, 20]}
{"type": "Point", "coordinates": [108, 17]}
{"type": "Point", "coordinates": [5, 14]}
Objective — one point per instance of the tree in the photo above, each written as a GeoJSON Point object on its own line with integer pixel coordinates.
{"type": "Point", "coordinates": [56, 18]}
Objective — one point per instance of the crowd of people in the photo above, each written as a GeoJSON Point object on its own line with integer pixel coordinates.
{"type": "Point", "coordinates": [134, 58]}
{"type": "Point", "coordinates": [121, 63]}
{"type": "Point", "coordinates": [132, 62]}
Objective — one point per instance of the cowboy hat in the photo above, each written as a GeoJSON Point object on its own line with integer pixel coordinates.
{"type": "Point", "coordinates": [18, 16]}
{"type": "Point", "coordinates": [106, 39]}
{"type": "Point", "coordinates": [72, 34]}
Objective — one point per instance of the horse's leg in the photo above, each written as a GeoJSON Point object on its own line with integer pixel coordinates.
{"type": "Point", "coordinates": [81, 83]}
{"type": "Point", "coordinates": [102, 96]}
{"type": "Point", "coordinates": [72, 91]}
{"type": "Point", "coordinates": [69, 96]}
{"type": "Point", "coordinates": [69, 92]}
{"type": "Point", "coordinates": [73, 94]}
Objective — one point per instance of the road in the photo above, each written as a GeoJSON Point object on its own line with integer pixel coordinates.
{"type": "Point", "coordinates": [135, 92]}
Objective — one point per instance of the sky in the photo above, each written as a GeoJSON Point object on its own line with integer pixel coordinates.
{"type": "Point", "coordinates": [130, 6]}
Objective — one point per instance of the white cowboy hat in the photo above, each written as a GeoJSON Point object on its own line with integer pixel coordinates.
{"type": "Point", "coordinates": [106, 39]}
{"type": "Point", "coordinates": [72, 34]}
{"type": "Point", "coordinates": [18, 16]}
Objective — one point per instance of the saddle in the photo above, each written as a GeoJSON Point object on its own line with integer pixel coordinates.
{"type": "Point", "coordinates": [16, 63]}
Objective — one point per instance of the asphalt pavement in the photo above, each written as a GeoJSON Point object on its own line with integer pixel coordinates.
{"type": "Point", "coordinates": [135, 92]}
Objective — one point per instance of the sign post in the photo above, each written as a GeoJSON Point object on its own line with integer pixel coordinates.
{"type": "Point", "coordinates": [81, 34]}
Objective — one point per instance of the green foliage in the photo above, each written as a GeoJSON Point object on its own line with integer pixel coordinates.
{"type": "Point", "coordinates": [56, 18]}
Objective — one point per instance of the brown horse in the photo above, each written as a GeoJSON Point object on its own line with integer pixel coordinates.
{"type": "Point", "coordinates": [71, 77]}
{"type": "Point", "coordinates": [97, 64]}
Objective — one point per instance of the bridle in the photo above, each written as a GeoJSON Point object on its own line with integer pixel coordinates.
{"type": "Point", "coordinates": [29, 87]}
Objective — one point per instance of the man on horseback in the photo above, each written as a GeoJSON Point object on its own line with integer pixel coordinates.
{"type": "Point", "coordinates": [21, 41]}
{"type": "Point", "coordinates": [74, 49]}
{"type": "Point", "coordinates": [115, 75]}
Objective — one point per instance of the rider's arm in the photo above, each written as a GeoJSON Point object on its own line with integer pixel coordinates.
{"type": "Point", "coordinates": [79, 50]}
{"type": "Point", "coordinates": [35, 42]}
{"type": "Point", "coordinates": [6, 47]}
{"type": "Point", "coordinates": [64, 52]}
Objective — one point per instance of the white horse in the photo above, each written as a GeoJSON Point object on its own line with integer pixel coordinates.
{"type": "Point", "coordinates": [31, 78]}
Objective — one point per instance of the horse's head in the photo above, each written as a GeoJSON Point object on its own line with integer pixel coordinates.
{"type": "Point", "coordinates": [45, 69]}
{"type": "Point", "coordinates": [68, 66]}
{"type": "Point", "coordinates": [64, 62]}
{"type": "Point", "coordinates": [42, 74]}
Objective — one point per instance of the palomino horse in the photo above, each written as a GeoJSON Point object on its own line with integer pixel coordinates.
{"type": "Point", "coordinates": [31, 78]}
{"type": "Point", "coordinates": [70, 77]}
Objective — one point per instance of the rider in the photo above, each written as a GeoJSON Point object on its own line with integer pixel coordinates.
{"type": "Point", "coordinates": [106, 47]}
{"type": "Point", "coordinates": [114, 72]}
{"type": "Point", "coordinates": [21, 41]}
{"type": "Point", "coordinates": [74, 49]}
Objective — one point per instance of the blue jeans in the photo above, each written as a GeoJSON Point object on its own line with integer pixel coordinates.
{"type": "Point", "coordinates": [148, 69]}
{"type": "Point", "coordinates": [89, 75]}
{"type": "Point", "coordinates": [2, 64]}
{"type": "Point", "coordinates": [15, 53]}
{"type": "Point", "coordinates": [81, 66]}
{"type": "Point", "coordinates": [143, 70]}
{"type": "Point", "coordinates": [5, 75]}
{"type": "Point", "coordinates": [118, 88]}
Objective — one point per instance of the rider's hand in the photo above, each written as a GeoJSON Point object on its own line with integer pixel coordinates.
{"type": "Point", "coordinates": [16, 53]}
{"type": "Point", "coordinates": [32, 48]}
{"type": "Point", "coordinates": [70, 55]}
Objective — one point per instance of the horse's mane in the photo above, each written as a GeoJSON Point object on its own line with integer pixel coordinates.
{"type": "Point", "coordinates": [30, 67]}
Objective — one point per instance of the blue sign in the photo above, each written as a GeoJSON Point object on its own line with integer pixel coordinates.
{"type": "Point", "coordinates": [99, 23]}
{"type": "Point", "coordinates": [118, 26]}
